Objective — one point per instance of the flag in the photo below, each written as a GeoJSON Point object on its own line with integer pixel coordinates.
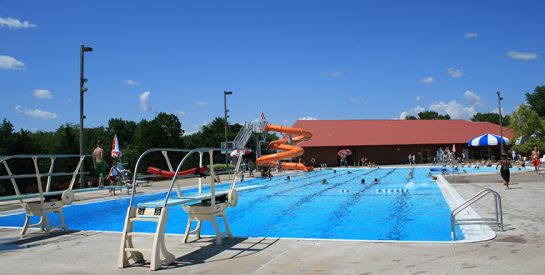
{"type": "Point", "coordinates": [116, 151]}
{"type": "Point", "coordinates": [262, 115]}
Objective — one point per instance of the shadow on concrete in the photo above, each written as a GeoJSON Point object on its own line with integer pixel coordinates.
{"type": "Point", "coordinates": [39, 238]}
{"type": "Point", "coordinates": [236, 248]}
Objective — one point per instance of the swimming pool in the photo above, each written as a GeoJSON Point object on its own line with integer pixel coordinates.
{"type": "Point", "coordinates": [398, 208]}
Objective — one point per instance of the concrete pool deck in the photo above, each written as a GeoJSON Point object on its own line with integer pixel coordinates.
{"type": "Point", "coordinates": [518, 250]}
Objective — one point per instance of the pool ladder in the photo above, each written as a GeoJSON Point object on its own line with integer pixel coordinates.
{"type": "Point", "coordinates": [497, 221]}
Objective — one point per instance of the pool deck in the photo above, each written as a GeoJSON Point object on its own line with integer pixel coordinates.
{"type": "Point", "coordinates": [520, 249]}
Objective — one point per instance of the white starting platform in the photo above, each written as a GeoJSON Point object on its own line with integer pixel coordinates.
{"type": "Point", "coordinates": [200, 207]}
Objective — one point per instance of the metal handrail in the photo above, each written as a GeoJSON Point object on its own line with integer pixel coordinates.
{"type": "Point", "coordinates": [38, 175]}
{"type": "Point", "coordinates": [178, 167]}
{"type": "Point", "coordinates": [133, 191]}
{"type": "Point", "coordinates": [498, 221]}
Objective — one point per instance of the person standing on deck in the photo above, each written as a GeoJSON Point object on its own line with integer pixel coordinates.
{"type": "Point", "coordinates": [99, 163]}
{"type": "Point", "coordinates": [535, 159]}
{"type": "Point", "coordinates": [504, 170]}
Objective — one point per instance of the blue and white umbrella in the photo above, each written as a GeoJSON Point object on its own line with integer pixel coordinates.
{"type": "Point", "coordinates": [487, 140]}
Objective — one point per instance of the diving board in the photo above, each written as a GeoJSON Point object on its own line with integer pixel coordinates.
{"type": "Point", "coordinates": [44, 201]}
{"type": "Point", "coordinates": [56, 193]}
{"type": "Point", "coordinates": [193, 198]}
{"type": "Point", "coordinates": [203, 206]}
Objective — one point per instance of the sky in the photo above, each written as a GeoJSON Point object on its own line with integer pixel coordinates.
{"type": "Point", "coordinates": [290, 59]}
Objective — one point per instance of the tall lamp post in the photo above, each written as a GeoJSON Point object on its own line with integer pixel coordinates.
{"type": "Point", "coordinates": [501, 127]}
{"type": "Point", "coordinates": [225, 94]}
{"type": "Point", "coordinates": [82, 90]}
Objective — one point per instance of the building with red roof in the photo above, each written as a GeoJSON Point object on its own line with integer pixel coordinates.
{"type": "Point", "coordinates": [391, 141]}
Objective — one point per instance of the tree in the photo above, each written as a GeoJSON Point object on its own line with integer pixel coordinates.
{"type": "Point", "coordinates": [124, 129]}
{"type": "Point", "coordinates": [409, 117]}
{"type": "Point", "coordinates": [171, 128]}
{"type": "Point", "coordinates": [43, 142]}
{"type": "Point", "coordinates": [67, 139]}
{"type": "Point", "coordinates": [429, 115]}
{"type": "Point", "coordinates": [164, 131]}
{"type": "Point", "coordinates": [537, 100]}
{"type": "Point", "coordinates": [491, 117]}
{"type": "Point", "coordinates": [525, 122]}
{"type": "Point", "coordinates": [23, 142]}
{"type": "Point", "coordinates": [7, 138]}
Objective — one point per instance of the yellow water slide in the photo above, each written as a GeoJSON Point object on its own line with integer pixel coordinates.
{"type": "Point", "coordinates": [288, 151]}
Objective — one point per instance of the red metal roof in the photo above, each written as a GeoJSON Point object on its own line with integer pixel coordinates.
{"type": "Point", "coordinates": [394, 132]}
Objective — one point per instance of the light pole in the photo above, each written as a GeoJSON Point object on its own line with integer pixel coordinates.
{"type": "Point", "coordinates": [501, 127]}
{"type": "Point", "coordinates": [82, 90]}
{"type": "Point", "coordinates": [225, 94]}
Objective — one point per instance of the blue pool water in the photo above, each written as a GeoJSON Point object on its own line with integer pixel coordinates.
{"type": "Point", "coordinates": [397, 208]}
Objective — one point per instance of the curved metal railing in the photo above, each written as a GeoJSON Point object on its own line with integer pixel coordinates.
{"type": "Point", "coordinates": [188, 154]}
{"type": "Point", "coordinates": [498, 221]}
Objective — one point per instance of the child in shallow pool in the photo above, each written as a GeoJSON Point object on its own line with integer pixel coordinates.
{"type": "Point", "coordinates": [375, 181]}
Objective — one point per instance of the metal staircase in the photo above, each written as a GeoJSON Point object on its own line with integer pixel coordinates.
{"type": "Point", "coordinates": [243, 135]}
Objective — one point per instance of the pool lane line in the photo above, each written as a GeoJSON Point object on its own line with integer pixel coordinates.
{"type": "Point", "coordinates": [256, 201]}
{"type": "Point", "coordinates": [340, 212]}
{"type": "Point", "coordinates": [308, 198]}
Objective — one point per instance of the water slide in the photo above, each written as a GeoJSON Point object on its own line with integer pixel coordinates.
{"type": "Point", "coordinates": [288, 151]}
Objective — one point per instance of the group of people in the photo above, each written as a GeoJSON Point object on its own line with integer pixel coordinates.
{"type": "Point", "coordinates": [99, 163]}
{"type": "Point", "coordinates": [364, 162]}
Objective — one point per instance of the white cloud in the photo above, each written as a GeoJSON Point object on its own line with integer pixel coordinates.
{"type": "Point", "coordinates": [335, 73]}
{"type": "Point", "coordinates": [355, 99]}
{"type": "Point", "coordinates": [286, 121]}
{"type": "Point", "coordinates": [428, 80]}
{"type": "Point", "coordinates": [144, 102]}
{"type": "Point", "coordinates": [470, 35]}
{"type": "Point", "coordinates": [473, 98]}
{"type": "Point", "coordinates": [200, 103]}
{"type": "Point", "coordinates": [18, 109]}
{"type": "Point", "coordinates": [37, 113]}
{"type": "Point", "coordinates": [13, 23]}
{"type": "Point", "coordinates": [131, 82]}
{"type": "Point", "coordinates": [418, 98]}
{"type": "Point", "coordinates": [522, 55]}
{"type": "Point", "coordinates": [455, 72]}
{"type": "Point", "coordinates": [403, 115]}
{"type": "Point", "coordinates": [43, 94]}
{"type": "Point", "coordinates": [308, 118]}
{"type": "Point", "coordinates": [413, 112]}
{"type": "Point", "coordinates": [181, 113]}
{"type": "Point", "coordinates": [454, 109]}
{"type": "Point", "coordinates": [10, 63]}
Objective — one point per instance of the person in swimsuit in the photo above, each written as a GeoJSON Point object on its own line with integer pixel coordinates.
{"type": "Point", "coordinates": [504, 170]}
{"type": "Point", "coordinates": [535, 159]}
{"type": "Point", "coordinates": [99, 163]}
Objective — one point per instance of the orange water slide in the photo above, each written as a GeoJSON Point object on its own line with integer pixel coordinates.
{"type": "Point", "coordinates": [288, 151]}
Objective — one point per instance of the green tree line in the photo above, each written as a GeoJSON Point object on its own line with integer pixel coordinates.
{"type": "Point", "coordinates": [163, 131]}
